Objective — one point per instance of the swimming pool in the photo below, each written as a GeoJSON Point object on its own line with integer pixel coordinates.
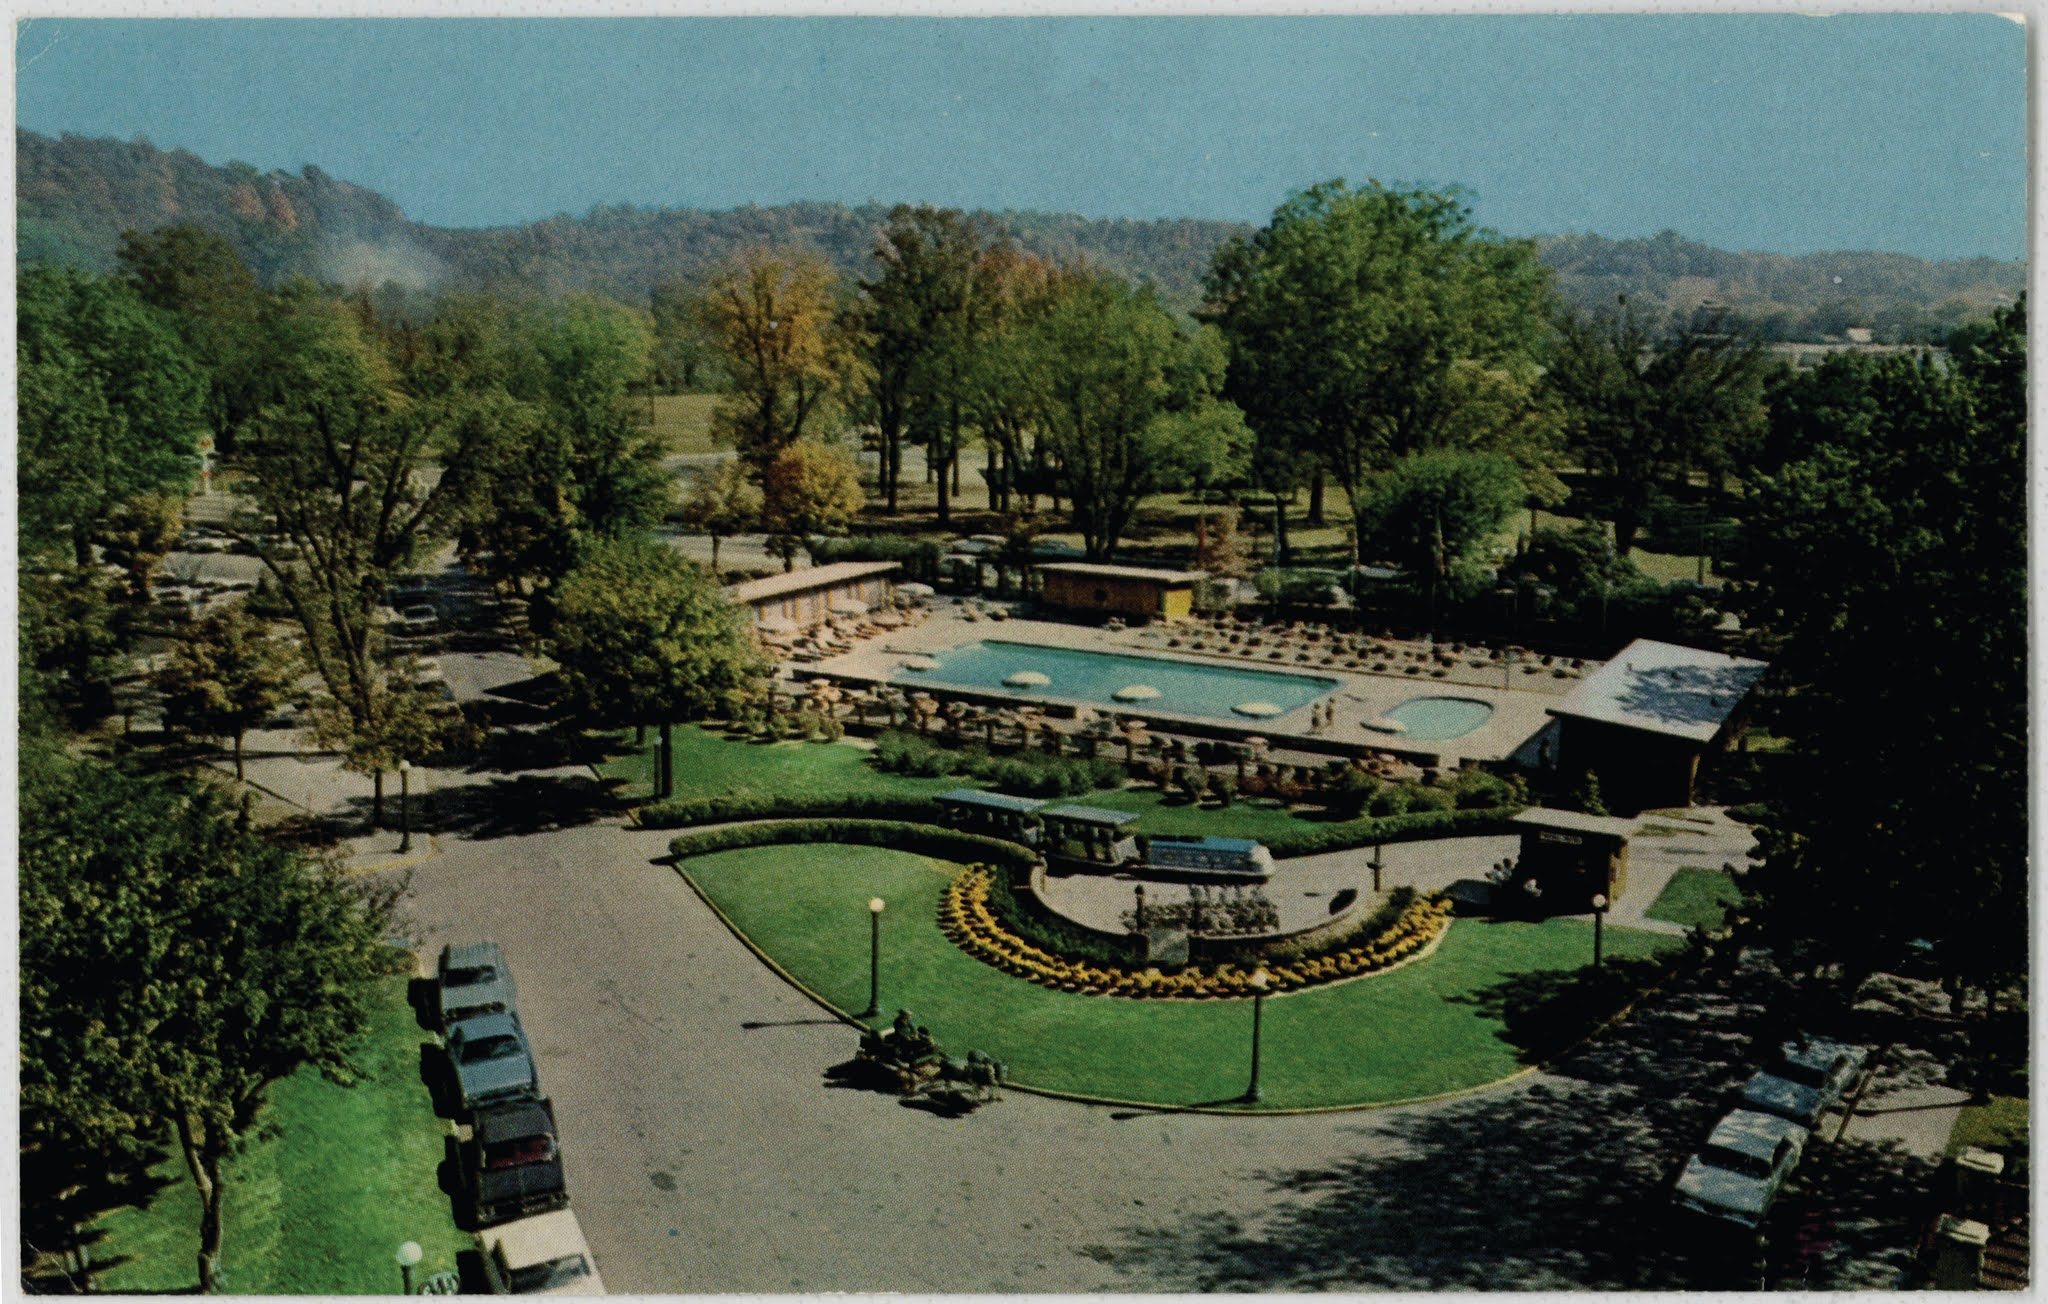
{"type": "Point", "coordinates": [1433, 719]}
{"type": "Point", "coordinates": [1108, 679]}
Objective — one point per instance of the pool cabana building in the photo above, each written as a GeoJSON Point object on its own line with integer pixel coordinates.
{"type": "Point", "coordinates": [1133, 592]}
{"type": "Point", "coordinates": [806, 599]}
{"type": "Point", "coordinates": [1643, 721]}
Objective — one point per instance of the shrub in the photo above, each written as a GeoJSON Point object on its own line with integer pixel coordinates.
{"type": "Point", "coordinates": [1343, 835]}
{"type": "Point", "coordinates": [922, 839]}
{"type": "Point", "coordinates": [733, 807]}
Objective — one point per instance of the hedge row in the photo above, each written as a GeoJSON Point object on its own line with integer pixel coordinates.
{"type": "Point", "coordinates": [1345, 835]}
{"type": "Point", "coordinates": [919, 839]}
{"type": "Point", "coordinates": [687, 812]}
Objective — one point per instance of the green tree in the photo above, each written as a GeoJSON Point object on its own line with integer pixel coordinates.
{"type": "Point", "coordinates": [173, 966]}
{"type": "Point", "coordinates": [136, 537]}
{"type": "Point", "coordinates": [773, 318]}
{"type": "Point", "coordinates": [111, 406]}
{"type": "Point", "coordinates": [812, 489]}
{"type": "Point", "coordinates": [721, 503]}
{"type": "Point", "coordinates": [1888, 583]}
{"type": "Point", "coordinates": [402, 717]}
{"type": "Point", "coordinates": [643, 636]}
{"type": "Point", "coordinates": [225, 675]}
{"type": "Point", "coordinates": [1118, 384]}
{"type": "Point", "coordinates": [592, 353]}
{"type": "Point", "coordinates": [1361, 323]}
{"type": "Point", "coordinates": [912, 321]}
{"type": "Point", "coordinates": [1644, 413]}
{"type": "Point", "coordinates": [337, 497]}
{"type": "Point", "coordinates": [225, 318]}
{"type": "Point", "coordinates": [1435, 512]}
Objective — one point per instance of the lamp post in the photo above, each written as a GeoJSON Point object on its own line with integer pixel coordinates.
{"type": "Point", "coordinates": [1377, 847]}
{"type": "Point", "coordinates": [875, 908]}
{"type": "Point", "coordinates": [1599, 913]}
{"type": "Point", "coordinates": [409, 1254]}
{"type": "Point", "coordinates": [1259, 982]}
{"type": "Point", "coordinates": [404, 812]}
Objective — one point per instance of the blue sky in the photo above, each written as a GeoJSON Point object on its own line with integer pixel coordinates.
{"type": "Point", "coordinates": [1752, 131]}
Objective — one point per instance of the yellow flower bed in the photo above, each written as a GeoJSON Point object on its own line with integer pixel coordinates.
{"type": "Point", "coordinates": [965, 917]}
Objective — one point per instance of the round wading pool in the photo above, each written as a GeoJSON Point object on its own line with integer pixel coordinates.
{"type": "Point", "coordinates": [1434, 719]}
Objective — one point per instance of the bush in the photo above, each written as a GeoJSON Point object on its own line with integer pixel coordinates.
{"type": "Point", "coordinates": [921, 839]}
{"type": "Point", "coordinates": [1051, 933]}
{"type": "Point", "coordinates": [1026, 774]}
{"type": "Point", "coordinates": [1476, 789]}
{"type": "Point", "coordinates": [1344, 835]}
{"type": "Point", "coordinates": [734, 807]}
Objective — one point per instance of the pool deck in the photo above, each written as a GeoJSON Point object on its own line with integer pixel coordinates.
{"type": "Point", "coordinates": [1519, 712]}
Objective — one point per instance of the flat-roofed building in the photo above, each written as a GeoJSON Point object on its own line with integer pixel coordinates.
{"type": "Point", "coordinates": [1567, 857]}
{"type": "Point", "coordinates": [1642, 721]}
{"type": "Point", "coordinates": [805, 599]}
{"type": "Point", "coordinates": [1130, 591]}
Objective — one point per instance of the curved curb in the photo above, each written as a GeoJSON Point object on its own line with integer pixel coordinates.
{"type": "Point", "coordinates": [1053, 1093]}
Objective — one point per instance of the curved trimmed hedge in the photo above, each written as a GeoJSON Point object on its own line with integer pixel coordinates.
{"type": "Point", "coordinates": [730, 808]}
{"type": "Point", "coordinates": [897, 835]}
{"type": "Point", "coordinates": [1346, 835]}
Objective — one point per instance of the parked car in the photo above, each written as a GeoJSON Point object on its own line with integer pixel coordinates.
{"type": "Point", "coordinates": [473, 981]}
{"type": "Point", "coordinates": [1809, 1078]}
{"type": "Point", "coordinates": [419, 619]}
{"type": "Point", "coordinates": [491, 1061]}
{"type": "Point", "coordinates": [1737, 1174]}
{"type": "Point", "coordinates": [542, 1255]}
{"type": "Point", "coordinates": [512, 1162]}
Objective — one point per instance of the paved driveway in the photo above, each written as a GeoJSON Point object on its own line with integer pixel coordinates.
{"type": "Point", "coordinates": [706, 1151]}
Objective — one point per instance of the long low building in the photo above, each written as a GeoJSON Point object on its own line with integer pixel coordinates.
{"type": "Point", "coordinates": [1130, 591]}
{"type": "Point", "coordinates": [1642, 721]}
{"type": "Point", "coordinates": [805, 599]}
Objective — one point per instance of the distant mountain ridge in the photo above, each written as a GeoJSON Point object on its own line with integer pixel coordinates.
{"type": "Point", "coordinates": [75, 195]}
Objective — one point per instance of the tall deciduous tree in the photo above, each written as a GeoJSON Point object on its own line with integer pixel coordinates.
{"type": "Point", "coordinates": [1356, 319]}
{"type": "Point", "coordinates": [225, 676]}
{"type": "Point", "coordinates": [774, 321]}
{"type": "Point", "coordinates": [1435, 511]}
{"type": "Point", "coordinates": [645, 637]}
{"type": "Point", "coordinates": [1888, 578]}
{"type": "Point", "coordinates": [723, 502]}
{"type": "Point", "coordinates": [1643, 412]}
{"type": "Point", "coordinates": [812, 489]}
{"type": "Point", "coordinates": [173, 966]}
{"type": "Point", "coordinates": [1120, 389]}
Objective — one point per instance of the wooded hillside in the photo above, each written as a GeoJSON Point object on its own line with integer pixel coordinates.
{"type": "Point", "coordinates": [76, 195]}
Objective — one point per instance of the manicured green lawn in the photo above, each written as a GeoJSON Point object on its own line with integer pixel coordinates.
{"type": "Point", "coordinates": [1412, 1032]}
{"type": "Point", "coordinates": [709, 764]}
{"type": "Point", "coordinates": [319, 1204]}
{"type": "Point", "coordinates": [2000, 1125]}
{"type": "Point", "coordinates": [1695, 898]}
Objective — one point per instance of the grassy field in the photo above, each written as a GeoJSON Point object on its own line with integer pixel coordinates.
{"type": "Point", "coordinates": [683, 421]}
{"type": "Point", "coordinates": [319, 1203]}
{"type": "Point", "coordinates": [1413, 1032]}
{"type": "Point", "coordinates": [709, 764]}
{"type": "Point", "coordinates": [1695, 898]}
{"type": "Point", "coordinates": [2000, 1125]}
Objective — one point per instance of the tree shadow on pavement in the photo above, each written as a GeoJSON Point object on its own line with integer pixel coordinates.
{"type": "Point", "coordinates": [1561, 1183]}
{"type": "Point", "coordinates": [513, 807]}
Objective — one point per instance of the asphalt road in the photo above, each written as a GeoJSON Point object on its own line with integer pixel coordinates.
{"type": "Point", "coordinates": [706, 1151]}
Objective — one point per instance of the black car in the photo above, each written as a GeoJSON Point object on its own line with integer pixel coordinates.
{"type": "Point", "coordinates": [512, 1162]}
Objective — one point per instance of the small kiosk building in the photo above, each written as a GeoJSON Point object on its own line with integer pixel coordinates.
{"type": "Point", "coordinates": [1567, 859]}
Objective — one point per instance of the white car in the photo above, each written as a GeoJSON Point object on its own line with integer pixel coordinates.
{"type": "Point", "coordinates": [1737, 1174]}
{"type": "Point", "coordinates": [1809, 1079]}
{"type": "Point", "coordinates": [542, 1255]}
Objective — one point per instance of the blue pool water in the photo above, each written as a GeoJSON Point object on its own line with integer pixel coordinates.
{"type": "Point", "coordinates": [1093, 678]}
{"type": "Point", "coordinates": [1433, 719]}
